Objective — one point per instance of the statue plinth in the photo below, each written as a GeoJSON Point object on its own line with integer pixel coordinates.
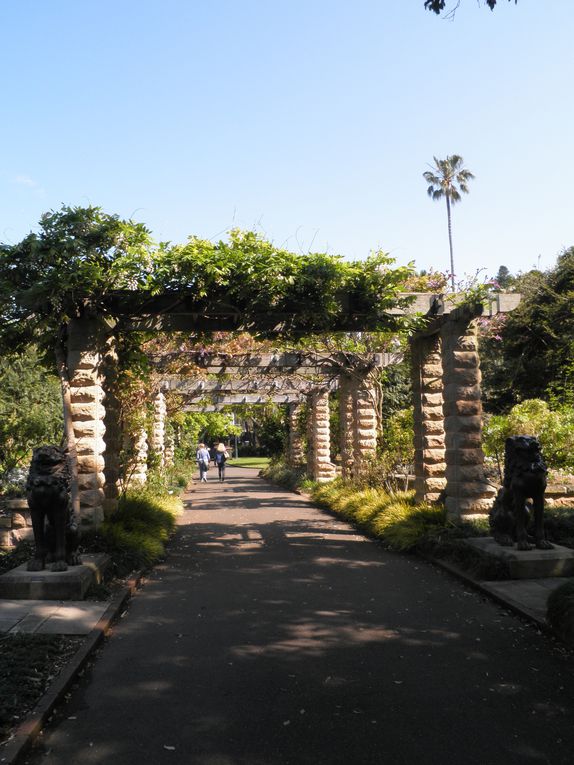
{"type": "Point", "coordinates": [528, 564]}
{"type": "Point", "coordinates": [21, 584]}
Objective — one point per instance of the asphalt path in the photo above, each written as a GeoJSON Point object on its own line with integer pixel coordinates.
{"type": "Point", "coordinates": [275, 634]}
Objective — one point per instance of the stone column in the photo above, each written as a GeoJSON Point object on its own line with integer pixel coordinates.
{"type": "Point", "coordinates": [158, 427]}
{"type": "Point", "coordinates": [86, 340]}
{"type": "Point", "coordinates": [365, 423]}
{"type": "Point", "coordinates": [346, 419]}
{"type": "Point", "coordinates": [296, 456]}
{"type": "Point", "coordinates": [113, 437]}
{"type": "Point", "coordinates": [467, 492]}
{"type": "Point", "coordinates": [321, 467]}
{"type": "Point", "coordinates": [310, 455]}
{"type": "Point", "coordinates": [429, 438]}
{"type": "Point", "coordinates": [169, 453]}
{"type": "Point", "coordinates": [138, 474]}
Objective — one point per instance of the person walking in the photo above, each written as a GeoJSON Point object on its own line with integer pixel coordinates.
{"type": "Point", "coordinates": [202, 458]}
{"type": "Point", "coordinates": [221, 457]}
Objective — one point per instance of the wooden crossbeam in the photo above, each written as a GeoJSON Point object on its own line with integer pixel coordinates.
{"type": "Point", "coordinates": [270, 364]}
{"type": "Point", "coordinates": [182, 311]}
{"type": "Point", "coordinates": [188, 387]}
{"type": "Point", "coordinates": [236, 399]}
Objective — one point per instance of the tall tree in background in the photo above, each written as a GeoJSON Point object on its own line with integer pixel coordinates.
{"type": "Point", "coordinates": [447, 178]}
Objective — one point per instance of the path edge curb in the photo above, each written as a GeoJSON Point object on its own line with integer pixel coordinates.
{"type": "Point", "coordinates": [29, 729]}
{"type": "Point", "coordinates": [482, 587]}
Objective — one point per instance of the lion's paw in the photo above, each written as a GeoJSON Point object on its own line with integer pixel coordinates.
{"type": "Point", "coordinates": [36, 564]}
{"type": "Point", "coordinates": [59, 565]}
{"type": "Point", "coordinates": [544, 544]}
{"type": "Point", "coordinates": [523, 545]}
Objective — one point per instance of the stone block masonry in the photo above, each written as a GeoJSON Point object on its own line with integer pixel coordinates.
{"type": "Point", "coordinates": [467, 490]}
{"type": "Point", "coordinates": [429, 433]}
{"type": "Point", "coordinates": [86, 337]}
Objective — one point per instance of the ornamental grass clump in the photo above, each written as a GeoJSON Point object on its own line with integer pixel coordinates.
{"type": "Point", "coordinates": [135, 535]}
{"type": "Point", "coordinates": [406, 526]}
{"type": "Point", "coordinates": [560, 611]}
{"type": "Point", "coordinates": [394, 518]}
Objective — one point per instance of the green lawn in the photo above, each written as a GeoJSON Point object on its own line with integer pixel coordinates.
{"type": "Point", "coordinates": [250, 462]}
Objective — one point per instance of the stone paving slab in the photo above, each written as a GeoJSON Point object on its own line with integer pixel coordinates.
{"type": "Point", "coordinates": [526, 595]}
{"type": "Point", "coordinates": [50, 617]}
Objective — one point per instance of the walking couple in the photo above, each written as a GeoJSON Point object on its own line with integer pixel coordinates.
{"type": "Point", "coordinates": [220, 457]}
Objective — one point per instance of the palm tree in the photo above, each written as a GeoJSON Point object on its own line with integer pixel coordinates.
{"type": "Point", "coordinates": [447, 178]}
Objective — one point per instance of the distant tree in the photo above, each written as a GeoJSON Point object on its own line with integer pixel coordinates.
{"type": "Point", "coordinates": [504, 278]}
{"type": "Point", "coordinates": [447, 178]}
{"type": "Point", "coordinates": [437, 6]}
{"type": "Point", "coordinates": [30, 408]}
{"type": "Point", "coordinates": [535, 358]}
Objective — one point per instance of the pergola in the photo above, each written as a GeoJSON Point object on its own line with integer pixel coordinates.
{"type": "Point", "coordinates": [446, 391]}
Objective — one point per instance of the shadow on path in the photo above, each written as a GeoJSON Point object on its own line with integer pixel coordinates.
{"type": "Point", "coordinates": [276, 634]}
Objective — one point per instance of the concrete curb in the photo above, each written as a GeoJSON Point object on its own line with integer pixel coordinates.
{"type": "Point", "coordinates": [28, 730]}
{"type": "Point", "coordinates": [483, 588]}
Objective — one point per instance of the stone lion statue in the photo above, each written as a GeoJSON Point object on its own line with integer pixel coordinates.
{"type": "Point", "coordinates": [524, 478]}
{"type": "Point", "coordinates": [49, 500]}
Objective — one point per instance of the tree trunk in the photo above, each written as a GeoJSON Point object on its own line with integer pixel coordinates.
{"type": "Point", "coordinates": [69, 436]}
{"type": "Point", "coordinates": [450, 242]}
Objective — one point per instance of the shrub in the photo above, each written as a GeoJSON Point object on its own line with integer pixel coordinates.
{"type": "Point", "coordinates": [394, 518]}
{"type": "Point", "coordinates": [279, 472]}
{"type": "Point", "coordinates": [554, 428]}
{"type": "Point", "coordinates": [560, 611]}
{"type": "Point", "coordinates": [135, 535]}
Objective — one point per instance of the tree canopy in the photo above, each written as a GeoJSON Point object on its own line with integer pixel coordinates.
{"type": "Point", "coordinates": [534, 357]}
{"type": "Point", "coordinates": [447, 178]}
{"type": "Point", "coordinates": [30, 408]}
{"type": "Point", "coordinates": [78, 256]}
{"type": "Point", "coordinates": [83, 257]}
{"type": "Point", "coordinates": [437, 6]}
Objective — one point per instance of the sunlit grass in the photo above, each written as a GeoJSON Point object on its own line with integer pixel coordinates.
{"type": "Point", "coordinates": [249, 462]}
{"type": "Point", "coordinates": [395, 518]}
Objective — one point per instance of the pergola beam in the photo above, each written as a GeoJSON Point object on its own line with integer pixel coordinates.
{"type": "Point", "coordinates": [181, 311]}
{"type": "Point", "coordinates": [271, 387]}
{"type": "Point", "coordinates": [237, 399]}
{"type": "Point", "coordinates": [270, 363]}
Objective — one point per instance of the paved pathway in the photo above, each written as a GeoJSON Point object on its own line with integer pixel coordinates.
{"type": "Point", "coordinates": [276, 635]}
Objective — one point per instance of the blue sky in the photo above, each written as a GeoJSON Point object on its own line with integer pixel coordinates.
{"type": "Point", "coordinates": [309, 121]}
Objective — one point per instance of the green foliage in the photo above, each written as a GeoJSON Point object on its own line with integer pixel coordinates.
{"type": "Point", "coordinates": [258, 463]}
{"type": "Point", "coordinates": [13, 558]}
{"type": "Point", "coordinates": [559, 525]}
{"type": "Point", "coordinates": [279, 472]}
{"type": "Point", "coordinates": [397, 454]}
{"type": "Point", "coordinates": [273, 431]}
{"type": "Point", "coordinates": [30, 408]}
{"type": "Point", "coordinates": [535, 358]}
{"type": "Point", "coordinates": [135, 535]}
{"type": "Point", "coordinates": [164, 481]}
{"type": "Point", "coordinates": [396, 388]}
{"type": "Point", "coordinates": [447, 178]}
{"type": "Point", "coordinates": [256, 277]}
{"type": "Point", "coordinates": [189, 428]}
{"type": "Point", "coordinates": [79, 254]}
{"type": "Point", "coordinates": [553, 427]}
{"type": "Point", "coordinates": [396, 519]}
{"type": "Point", "coordinates": [560, 611]}
{"type": "Point", "coordinates": [504, 278]}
